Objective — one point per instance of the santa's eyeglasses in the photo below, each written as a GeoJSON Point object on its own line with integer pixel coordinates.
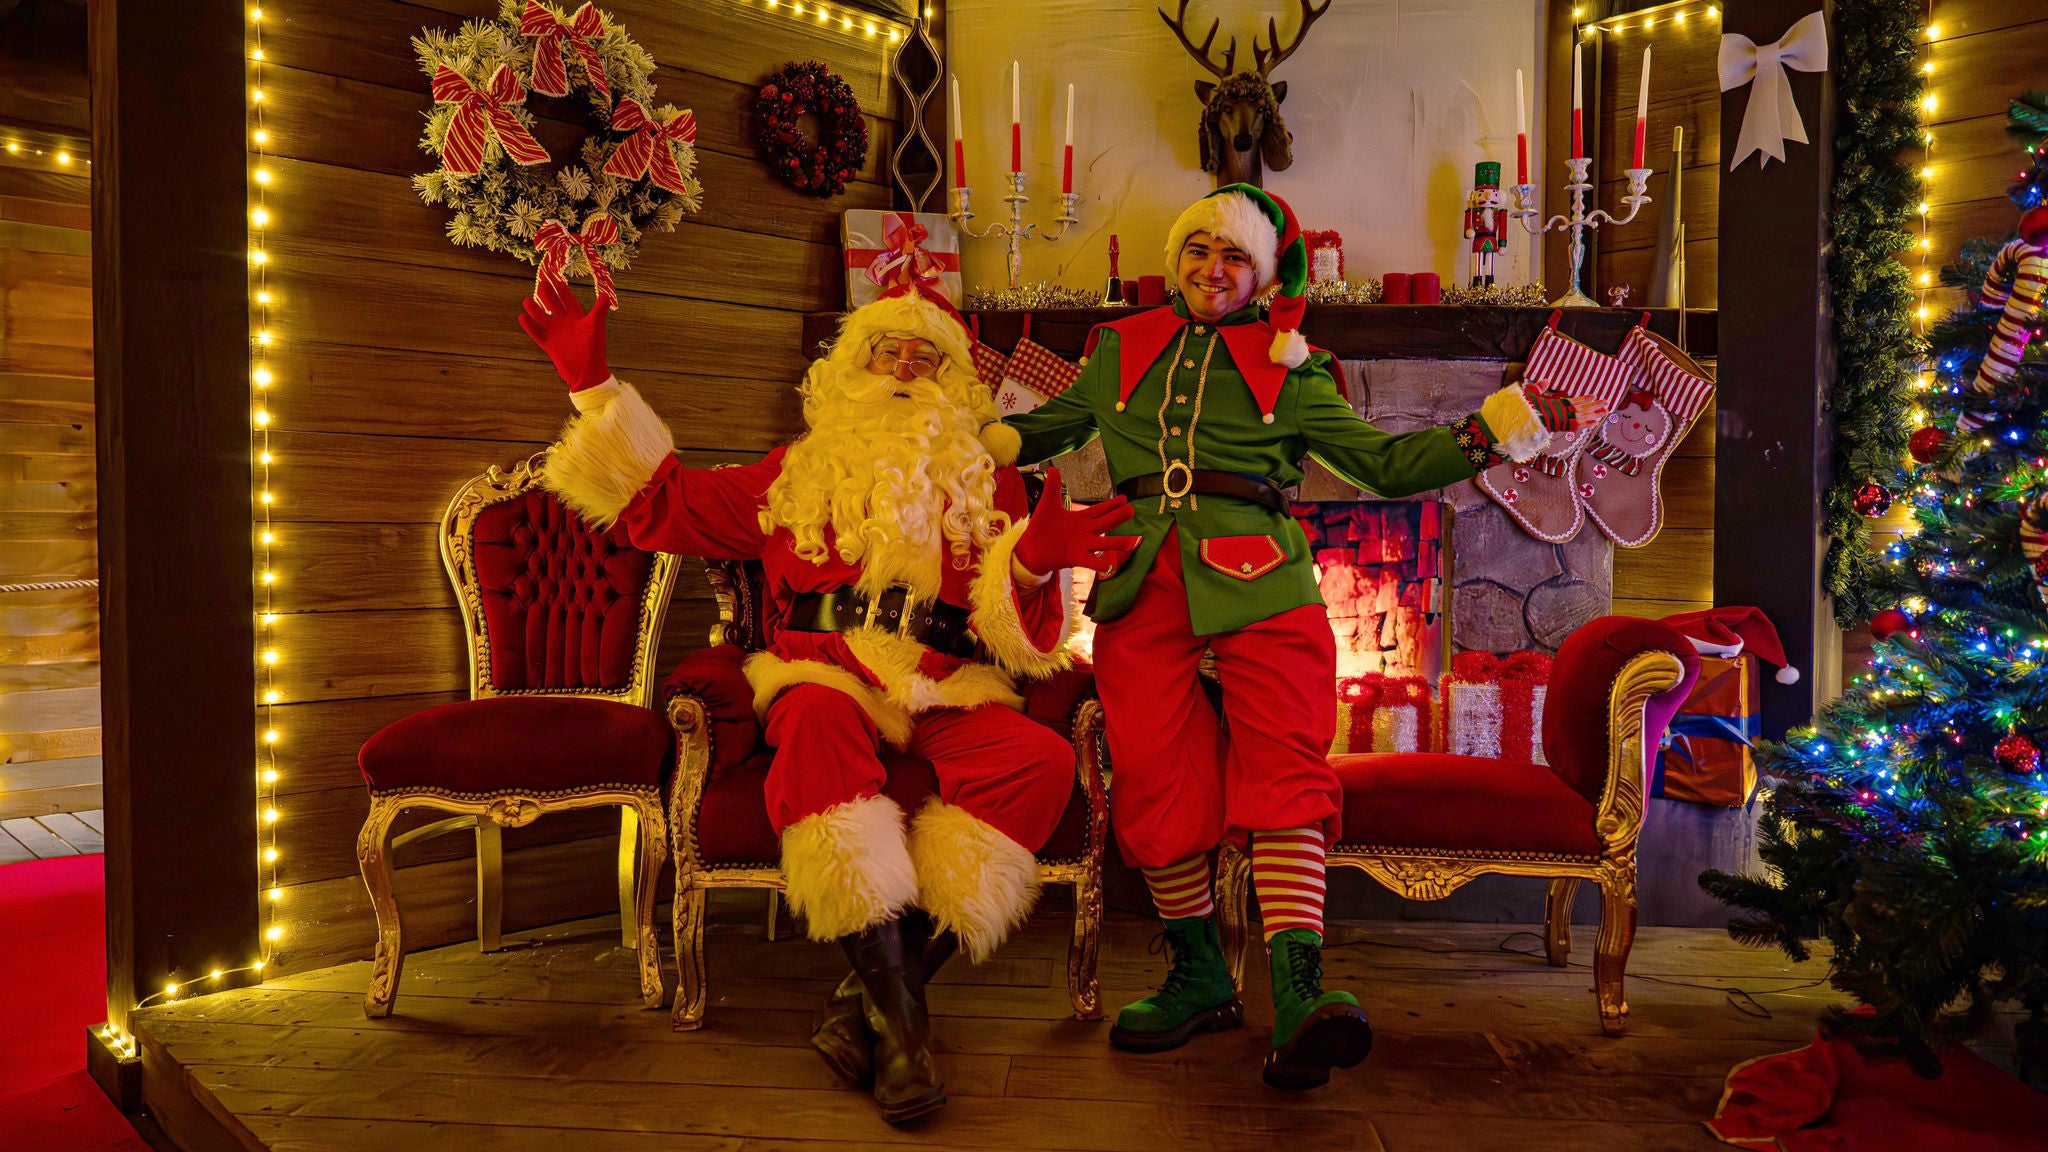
{"type": "Point", "coordinates": [923, 364]}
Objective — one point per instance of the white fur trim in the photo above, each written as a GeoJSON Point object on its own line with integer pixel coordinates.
{"type": "Point", "coordinates": [608, 453]}
{"type": "Point", "coordinates": [1289, 348]}
{"type": "Point", "coordinates": [912, 315]}
{"type": "Point", "coordinates": [976, 882]}
{"type": "Point", "coordinates": [894, 661]}
{"type": "Point", "coordinates": [770, 675]}
{"type": "Point", "coordinates": [1233, 219]}
{"type": "Point", "coordinates": [1517, 431]}
{"type": "Point", "coordinates": [848, 868]}
{"type": "Point", "coordinates": [1787, 675]}
{"type": "Point", "coordinates": [994, 615]}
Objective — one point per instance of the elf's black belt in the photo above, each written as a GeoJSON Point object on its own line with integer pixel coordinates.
{"type": "Point", "coordinates": [1178, 480]}
{"type": "Point", "coordinates": [939, 626]}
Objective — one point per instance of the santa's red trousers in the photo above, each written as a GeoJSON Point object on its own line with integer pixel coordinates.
{"type": "Point", "coordinates": [1004, 769]}
{"type": "Point", "coordinates": [1182, 780]}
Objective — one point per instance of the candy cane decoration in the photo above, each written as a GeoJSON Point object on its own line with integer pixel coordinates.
{"type": "Point", "coordinates": [2016, 286]}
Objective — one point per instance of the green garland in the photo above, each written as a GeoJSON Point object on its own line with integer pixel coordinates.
{"type": "Point", "coordinates": [1873, 215]}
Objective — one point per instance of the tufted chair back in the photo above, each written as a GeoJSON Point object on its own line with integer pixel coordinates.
{"type": "Point", "coordinates": [1575, 719]}
{"type": "Point", "coordinates": [550, 604]}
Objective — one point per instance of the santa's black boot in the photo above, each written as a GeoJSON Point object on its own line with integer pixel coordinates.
{"type": "Point", "coordinates": [906, 1082]}
{"type": "Point", "coordinates": [840, 1031]}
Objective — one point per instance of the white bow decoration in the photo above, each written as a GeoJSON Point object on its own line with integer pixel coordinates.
{"type": "Point", "coordinates": [1772, 117]}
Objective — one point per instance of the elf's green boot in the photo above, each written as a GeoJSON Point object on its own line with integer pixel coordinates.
{"type": "Point", "coordinates": [1195, 997]}
{"type": "Point", "coordinates": [1313, 1030]}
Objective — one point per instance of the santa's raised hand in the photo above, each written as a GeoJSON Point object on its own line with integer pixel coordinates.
{"type": "Point", "coordinates": [1061, 537]}
{"type": "Point", "coordinates": [572, 337]}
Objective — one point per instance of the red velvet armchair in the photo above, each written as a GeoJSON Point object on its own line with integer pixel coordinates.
{"type": "Point", "coordinates": [720, 818]}
{"type": "Point", "coordinates": [562, 623]}
{"type": "Point", "coordinates": [1424, 823]}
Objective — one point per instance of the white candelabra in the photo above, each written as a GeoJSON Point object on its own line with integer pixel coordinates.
{"type": "Point", "coordinates": [1580, 219]}
{"type": "Point", "coordinates": [1016, 231]}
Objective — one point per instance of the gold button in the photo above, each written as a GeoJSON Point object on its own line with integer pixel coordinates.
{"type": "Point", "coordinates": [1174, 503]}
{"type": "Point", "coordinates": [1173, 431]}
{"type": "Point", "coordinates": [1180, 399]}
{"type": "Point", "coordinates": [1245, 567]}
{"type": "Point", "coordinates": [1188, 363]}
{"type": "Point", "coordinates": [1201, 331]}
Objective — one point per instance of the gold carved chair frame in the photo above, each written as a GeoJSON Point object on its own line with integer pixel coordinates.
{"type": "Point", "coordinates": [643, 826]}
{"type": "Point", "coordinates": [1432, 874]}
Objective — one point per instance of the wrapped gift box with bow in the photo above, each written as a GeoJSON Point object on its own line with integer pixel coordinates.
{"type": "Point", "coordinates": [884, 249]}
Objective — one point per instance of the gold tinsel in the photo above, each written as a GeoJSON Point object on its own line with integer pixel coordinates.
{"type": "Point", "coordinates": [1498, 295]}
{"type": "Point", "coordinates": [1031, 297]}
{"type": "Point", "coordinates": [1343, 292]}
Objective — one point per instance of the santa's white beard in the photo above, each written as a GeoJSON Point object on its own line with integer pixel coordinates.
{"type": "Point", "coordinates": [896, 470]}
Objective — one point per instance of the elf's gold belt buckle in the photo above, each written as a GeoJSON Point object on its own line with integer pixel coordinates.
{"type": "Point", "coordinates": [1187, 480]}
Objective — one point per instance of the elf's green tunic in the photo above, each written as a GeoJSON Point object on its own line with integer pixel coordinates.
{"type": "Point", "coordinates": [1242, 561]}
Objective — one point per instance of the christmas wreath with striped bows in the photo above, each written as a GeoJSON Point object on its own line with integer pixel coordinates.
{"type": "Point", "coordinates": [818, 167]}
{"type": "Point", "coordinates": [633, 171]}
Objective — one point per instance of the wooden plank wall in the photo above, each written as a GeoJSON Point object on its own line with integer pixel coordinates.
{"type": "Point", "coordinates": [400, 374]}
{"type": "Point", "coordinates": [1674, 572]}
{"type": "Point", "coordinates": [49, 641]}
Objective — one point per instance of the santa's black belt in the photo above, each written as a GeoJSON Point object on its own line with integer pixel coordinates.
{"type": "Point", "coordinates": [939, 626]}
{"type": "Point", "coordinates": [1179, 480]}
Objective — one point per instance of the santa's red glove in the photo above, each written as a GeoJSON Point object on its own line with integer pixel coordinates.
{"type": "Point", "coordinates": [1059, 537]}
{"type": "Point", "coordinates": [572, 338]}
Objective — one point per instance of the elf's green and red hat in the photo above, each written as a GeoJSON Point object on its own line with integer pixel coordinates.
{"type": "Point", "coordinates": [1261, 224]}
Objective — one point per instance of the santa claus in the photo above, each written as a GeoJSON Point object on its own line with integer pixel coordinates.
{"type": "Point", "coordinates": [906, 588]}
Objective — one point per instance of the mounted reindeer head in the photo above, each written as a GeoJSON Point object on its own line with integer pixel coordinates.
{"type": "Point", "coordinates": [1242, 133]}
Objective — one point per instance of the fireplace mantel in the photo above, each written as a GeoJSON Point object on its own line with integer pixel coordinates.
{"type": "Point", "coordinates": [1368, 331]}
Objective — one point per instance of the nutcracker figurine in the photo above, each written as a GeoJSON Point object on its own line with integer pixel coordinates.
{"type": "Point", "coordinates": [1486, 220]}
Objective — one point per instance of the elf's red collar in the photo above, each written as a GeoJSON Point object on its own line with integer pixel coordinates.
{"type": "Point", "coordinates": [1143, 338]}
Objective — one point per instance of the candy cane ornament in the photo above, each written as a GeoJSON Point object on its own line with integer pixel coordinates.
{"type": "Point", "coordinates": [2016, 285]}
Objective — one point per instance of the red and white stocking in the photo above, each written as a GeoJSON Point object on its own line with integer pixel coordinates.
{"type": "Point", "coordinates": [1539, 494]}
{"type": "Point", "coordinates": [1621, 473]}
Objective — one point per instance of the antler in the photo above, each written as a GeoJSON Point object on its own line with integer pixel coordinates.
{"type": "Point", "coordinates": [1268, 60]}
{"type": "Point", "coordinates": [1179, 25]}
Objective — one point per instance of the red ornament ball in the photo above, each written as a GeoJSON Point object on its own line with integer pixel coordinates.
{"type": "Point", "coordinates": [2034, 225]}
{"type": "Point", "coordinates": [1926, 444]}
{"type": "Point", "coordinates": [1872, 499]}
{"type": "Point", "coordinates": [2016, 753]}
{"type": "Point", "coordinates": [1889, 621]}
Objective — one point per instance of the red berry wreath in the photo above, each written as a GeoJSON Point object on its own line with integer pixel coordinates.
{"type": "Point", "coordinates": [816, 168]}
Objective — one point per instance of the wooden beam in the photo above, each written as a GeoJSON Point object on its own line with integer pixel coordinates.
{"type": "Point", "coordinates": [1776, 366]}
{"type": "Point", "coordinates": [170, 354]}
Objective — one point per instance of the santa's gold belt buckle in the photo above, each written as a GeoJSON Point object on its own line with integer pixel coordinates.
{"type": "Point", "coordinates": [1166, 480]}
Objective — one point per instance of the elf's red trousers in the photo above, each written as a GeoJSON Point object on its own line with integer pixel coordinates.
{"type": "Point", "coordinates": [1181, 781]}
{"type": "Point", "coordinates": [1004, 769]}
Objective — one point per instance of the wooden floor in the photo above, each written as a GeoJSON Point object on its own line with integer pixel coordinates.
{"type": "Point", "coordinates": [543, 1046]}
{"type": "Point", "coordinates": [56, 834]}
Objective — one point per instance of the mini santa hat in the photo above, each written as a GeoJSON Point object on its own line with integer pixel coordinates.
{"type": "Point", "coordinates": [1263, 226]}
{"type": "Point", "coordinates": [1733, 630]}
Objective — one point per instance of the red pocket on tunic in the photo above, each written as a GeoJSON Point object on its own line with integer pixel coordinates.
{"type": "Point", "coordinates": [1245, 557]}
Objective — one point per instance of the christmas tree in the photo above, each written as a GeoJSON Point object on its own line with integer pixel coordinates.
{"type": "Point", "coordinates": [1909, 825]}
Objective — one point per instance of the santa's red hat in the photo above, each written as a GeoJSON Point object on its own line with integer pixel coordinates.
{"type": "Point", "coordinates": [1732, 630]}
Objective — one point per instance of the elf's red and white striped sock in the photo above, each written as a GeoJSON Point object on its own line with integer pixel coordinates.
{"type": "Point", "coordinates": [1287, 873]}
{"type": "Point", "coordinates": [1182, 890]}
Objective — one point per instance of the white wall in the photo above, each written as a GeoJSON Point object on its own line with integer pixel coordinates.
{"type": "Point", "coordinates": [1390, 101]}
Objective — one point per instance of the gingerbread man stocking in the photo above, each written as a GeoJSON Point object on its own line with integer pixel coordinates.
{"type": "Point", "coordinates": [1539, 494]}
{"type": "Point", "coordinates": [1621, 474]}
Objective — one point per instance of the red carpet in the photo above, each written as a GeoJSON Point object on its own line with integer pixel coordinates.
{"type": "Point", "coordinates": [53, 976]}
{"type": "Point", "coordinates": [1829, 1097]}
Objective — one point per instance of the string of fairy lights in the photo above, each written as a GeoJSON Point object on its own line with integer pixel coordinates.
{"type": "Point", "coordinates": [827, 16]}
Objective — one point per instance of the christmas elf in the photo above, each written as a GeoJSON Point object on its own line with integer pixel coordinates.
{"type": "Point", "coordinates": [1205, 411]}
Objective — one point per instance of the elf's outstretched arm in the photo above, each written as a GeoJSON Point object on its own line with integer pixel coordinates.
{"type": "Point", "coordinates": [1510, 425]}
{"type": "Point", "coordinates": [615, 461]}
{"type": "Point", "coordinates": [1067, 421]}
